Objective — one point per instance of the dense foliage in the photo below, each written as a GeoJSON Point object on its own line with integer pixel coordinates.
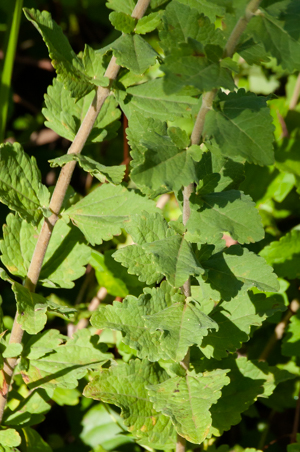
{"type": "Point", "coordinates": [156, 297]}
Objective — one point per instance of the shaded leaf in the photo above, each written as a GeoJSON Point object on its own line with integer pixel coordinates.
{"type": "Point", "coordinates": [291, 340]}
{"type": "Point", "coordinates": [134, 53]}
{"type": "Point", "coordinates": [148, 23]}
{"type": "Point", "coordinates": [122, 22]}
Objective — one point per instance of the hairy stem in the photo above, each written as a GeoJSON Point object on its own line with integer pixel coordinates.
{"type": "Point", "coordinates": [57, 200]}
{"type": "Point", "coordinates": [207, 101]}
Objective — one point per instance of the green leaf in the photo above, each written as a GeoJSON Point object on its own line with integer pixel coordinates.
{"type": "Point", "coordinates": [188, 65]}
{"type": "Point", "coordinates": [124, 385]}
{"type": "Point", "coordinates": [187, 400]}
{"type": "Point", "coordinates": [32, 308]}
{"type": "Point", "coordinates": [229, 211]}
{"type": "Point", "coordinates": [101, 214]}
{"type": "Point", "coordinates": [182, 325]}
{"type": "Point", "coordinates": [20, 183]}
{"type": "Point", "coordinates": [41, 344]}
{"type": "Point", "coordinates": [122, 22]}
{"type": "Point", "coordinates": [65, 258]}
{"type": "Point", "coordinates": [64, 115]}
{"type": "Point", "coordinates": [33, 441]}
{"type": "Point", "coordinates": [284, 255]}
{"type": "Point", "coordinates": [239, 269]}
{"type": "Point", "coordinates": [30, 410]}
{"type": "Point", "coordinates": [209, 9]}
{"type": "Point", "coordinates": [148, 23]}
{"type": "Point", "coordinates": [124, 6]}
{"type": "Point", "coordinates": [68, 65]}
{"type": "Point", "coordinates": [276, 27]}
{"type": "Point", "coordinates": [241, 126]}
{"type": "Point", "coordinates": [10, 437]}
{"type": "Point", "coordinates": [113, 276]}
{"type": "Point", "coordinates": [113, 174]}
{"type": "Point", "coordinates": [128, 317]}
{"type": "Point", "coordinates": [235, 319]}
{"type": "Point", "coordinates": [68, 363]}
{"type": "Point", "coordinates": [150, 100]}
{"type": "Point", "coordinates": [248, 381]}
{"type": "Point", "coordinates": [291, 340]}
{"type": "Point", "coordinates": [134, 53]}
{"type": "Point", "coordinates": [162, 165]}
{"type": "Point", "coordinates": [63, 396]}
{"type": "Point", "coordinates": [217, 173]}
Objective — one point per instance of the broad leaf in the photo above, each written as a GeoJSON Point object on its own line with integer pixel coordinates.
{"type": "Point", "coordinates": [229, 211]}
{"type": "Point", "coordinates": [124, 6]}
{"type": "Point", "coordinates": [34, 441]}
{"type": "Point", "coordinates": [239, 269]}
{"type": "Point", "coordinates": [276, 28]}
{"type": "Point", "coordinates": [162, 165]}
{"type": "Point", "coordinates": [20, 183]}
{"type": "Point", "coordinates": [187, 400]}
{"type": "Point", "coordinates": [68, 363]}
{"type": "Point", "coordinates": [235, 319]}
{"type": "Point", "coordinates": [150, 100]}
{"type": "Point", "coordinates": [182, 325]}
{"type": "Point", "coordinates": [102, 213]}
{"type": "Point", "coordinates": [129, 318]}
{"type": "Point", "coordinates": [240, 126]}
{"type": "Point", "coordinates": [134, 53]}
{"type": "Point", "coordinates": [291, 340]}
{"type": "Point", "coordinates": [69, 67]}
{"type": "Point", "coordinates": [124, 385]}
{"type": "Point", "coordinates": [64, 115]}
{"type": "Point", "coordinates": [113, 174]}
{"type": "Point", "coordinates": [248, 381]}
{"type": "Point", "coordinates": [30, 410]}
{"type": "Point", "coordinates": [284, 255]}
{"type": "Point", "coordinates": [122, 22]}
{"type": "Point", "coordinates": [66, 255]}
{"type": "Point", "coordinates": [209, 9]}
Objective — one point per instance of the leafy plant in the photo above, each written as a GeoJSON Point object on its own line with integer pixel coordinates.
{"type": "Point", "coordinates": [187, 302]}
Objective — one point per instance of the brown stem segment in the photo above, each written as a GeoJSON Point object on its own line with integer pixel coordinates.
{"type": "Point", "coordinates": [207, 101]}
{"type": "Point", "coordinates": [56, 203]}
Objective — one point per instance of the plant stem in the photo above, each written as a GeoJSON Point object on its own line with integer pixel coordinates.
{"type": "Point", "coordinates": [9, 57]}
{"type": "Point", "coordinates": [207, 101]}
{"type": "Point", "coordinates": [57, 200]}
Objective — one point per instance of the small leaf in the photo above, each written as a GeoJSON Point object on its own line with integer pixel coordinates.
{"type": "Point", "coordinates": [101, 214]}
{"type": "Point", "coordinates": [64, 115]}
{"type": "Point", "coordinates": [148, 23]}
{"type": "Point", "coordinates": [291, 340]}
{"type": "Point", "coordinates": [241, 126]}
{"type": "Point", "coordinates": [29, 410]}
{"type": "Point", "coordinates": [187, 400]}
{"type": "Point", "coordinates": [34, 441]}
{"type": "Point", "coordinates": [239, 269]}
{"type": "Point", "coordinates": [134, 53]}
{"type": "Point", "coordinates": [124, 6]}
{"type": "Point", "coordinates": [284, 255]}
{"type": "Point", "coordinates": [182, 325]}
{"type": "Point", "coordinates": [122, 22]}
{"type": "Point", "coordinates": [113, 174]}
{"type": "Point", "coordinates": [69, 67]}
{"type": "Point", "coordinates": [124, 385]}
{"type": "Point", "coordinates": [20, 183]}
{"type": "Point", "coordinates": [209, 9]}
{"type": "Point", "coordinates": [10, 438]}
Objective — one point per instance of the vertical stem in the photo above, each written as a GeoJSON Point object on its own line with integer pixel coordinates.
{"type": "Point", "coordinates": [57, 200]}
{"type": "Point", "coordinates": [295, 96]}
{"type": "Point", "coordinates": [9, 57]}
{"type": "Point", "coordinates": [207, 101]}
